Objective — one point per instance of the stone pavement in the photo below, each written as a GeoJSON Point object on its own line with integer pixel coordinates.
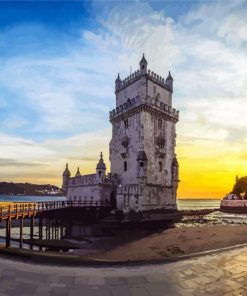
{"type": "Point", "coordinates": [220, 274]}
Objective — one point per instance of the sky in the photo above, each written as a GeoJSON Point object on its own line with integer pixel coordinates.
{"type": "Point", "coordinates": [58, 64]}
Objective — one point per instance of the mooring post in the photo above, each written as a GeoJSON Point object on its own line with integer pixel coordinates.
{"type": "Point", "coordinates": [31, 231]}
{"type": "Point", "coordinates": [8, 232]}
{"type": "Point", "coordinates": [21, 231]}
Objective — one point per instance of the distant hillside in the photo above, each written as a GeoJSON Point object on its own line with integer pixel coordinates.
{"type": "Point", "coordinates": [240, 186]}
{"type": "Point", "coordinates": [29, 189]}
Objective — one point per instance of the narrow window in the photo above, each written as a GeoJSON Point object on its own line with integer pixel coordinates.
{"type": "Point", "coordinates": [160, 124]}
{"type": "Point", "coordinates": [125, 166]}
{"type": "Point", "coordinates": [141, 164]}
{"type": "Point", "coordinates": [160, 166]}
{"type": "Point", "coordinates": [125, 144]}
{"type": "Point", "coordinates": [99, 173]}
{"type": "Point", "coordinates": [126, 124]}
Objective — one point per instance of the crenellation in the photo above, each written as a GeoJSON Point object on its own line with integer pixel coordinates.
{"type": "Point", "coordinates": [154, 102]}
{"type": "Point", "coordinates": [137, 74]}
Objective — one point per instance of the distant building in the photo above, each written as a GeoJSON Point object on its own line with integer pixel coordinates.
{"type": "Point", "coordinates": [144, 167]}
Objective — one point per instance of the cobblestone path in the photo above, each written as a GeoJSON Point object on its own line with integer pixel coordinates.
{"type": "Point", "coordinates": [219, 274]}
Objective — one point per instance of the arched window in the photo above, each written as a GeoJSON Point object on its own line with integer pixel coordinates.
{"type": "Point", "coordinates": [100, 173]}
{"type": "Point", "coordinates": [125, 166]}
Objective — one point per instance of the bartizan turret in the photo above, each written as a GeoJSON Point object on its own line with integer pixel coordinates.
{"type": "Point", "coordinates": [66, 176]}
{"type": "Point", "coordinates": [100, 170]}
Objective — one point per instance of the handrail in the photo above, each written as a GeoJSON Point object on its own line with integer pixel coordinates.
{"type": "Point", "coordinates": [27, 208]}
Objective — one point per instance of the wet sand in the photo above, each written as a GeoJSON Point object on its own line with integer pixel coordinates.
{"type": "Point", "coordinates": [167, 243]}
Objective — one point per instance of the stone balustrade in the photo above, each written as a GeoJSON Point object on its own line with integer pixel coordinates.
{"type": "Point", "coordinates": [152, 102]}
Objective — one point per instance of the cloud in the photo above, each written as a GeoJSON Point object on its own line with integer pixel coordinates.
{"type": "Point", "coordinates": [15, 163]}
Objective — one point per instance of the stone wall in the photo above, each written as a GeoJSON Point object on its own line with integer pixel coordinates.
{"type": "Point", "coordinates": [97, 192]}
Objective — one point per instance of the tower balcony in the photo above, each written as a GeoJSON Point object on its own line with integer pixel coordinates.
{"type": "Point", "coordinates": [134, 104]}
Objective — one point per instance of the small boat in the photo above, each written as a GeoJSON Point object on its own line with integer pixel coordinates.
{"type": "Point", "coordinates": [231, 203]}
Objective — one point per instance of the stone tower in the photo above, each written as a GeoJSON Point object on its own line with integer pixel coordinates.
{"type": "Point", "coordinates": [144, 167]}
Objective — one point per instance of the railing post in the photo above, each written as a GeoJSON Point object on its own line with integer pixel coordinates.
{"type": "Point", "coordinates": [31, 231]}
{"type": "Point", "coordinates": [8, 232]}
{"type": "Point", "coordinates": [21, 231]}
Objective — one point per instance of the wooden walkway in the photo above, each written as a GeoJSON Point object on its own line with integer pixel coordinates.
{"type": "Point", "coordinates": [26, 210]}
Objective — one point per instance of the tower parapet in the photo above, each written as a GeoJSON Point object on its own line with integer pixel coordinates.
{"type": "Point", "coordinates": [121, 84]}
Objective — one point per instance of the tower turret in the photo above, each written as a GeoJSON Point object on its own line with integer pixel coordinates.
{"type": "Point", "coordinates": [169, 81]}
{"type": "Point", "coordinates": [100, 169]}
{"type": "Point", "coordinates": [143, 65]}
{"type": "Point", "coordinates": [78, 174]}
{"type": "Point", "coordinates": [66, 176]}
{"type": "Point", "coordinates": [117, 83]}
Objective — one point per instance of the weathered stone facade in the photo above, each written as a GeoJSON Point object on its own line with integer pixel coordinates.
{"type": "Point", "coordinates": [142, 148]}
{"type": "Point", "coordinates": [144, 168]}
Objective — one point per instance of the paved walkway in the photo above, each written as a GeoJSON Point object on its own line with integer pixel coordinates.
{"type": "Point", "coordinates": [219, 274]}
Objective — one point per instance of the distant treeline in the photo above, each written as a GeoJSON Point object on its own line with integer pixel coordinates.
{"type": "Point", "coordinates": [28, 189]}
{"type": "Point", "coordinates": [240, 187]}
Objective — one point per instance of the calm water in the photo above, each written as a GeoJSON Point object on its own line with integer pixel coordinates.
{"type": "Point", "coordinates": [23, 198]}
{"type": "Point", "coordinates": [198, 204]}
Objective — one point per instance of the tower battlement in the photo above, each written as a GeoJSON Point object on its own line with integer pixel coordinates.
{"type": "Point", "coordinates": [150, 102]}
{"type": "Point", "coordinates": [136, 75]}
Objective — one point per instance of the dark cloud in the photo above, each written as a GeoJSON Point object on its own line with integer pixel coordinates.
{"type": "Point", "coordinates": [83, 158]}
